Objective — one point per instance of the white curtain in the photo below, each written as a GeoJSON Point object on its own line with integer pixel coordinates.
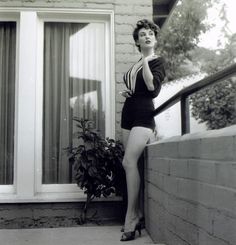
{"type": "Point", "coordinates": [7, 100]}
{"type": "Point", "coordinates": [73, 86]}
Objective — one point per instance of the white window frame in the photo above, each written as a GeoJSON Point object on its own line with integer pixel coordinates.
{"type": "Point", "coordinates": [29, 98]}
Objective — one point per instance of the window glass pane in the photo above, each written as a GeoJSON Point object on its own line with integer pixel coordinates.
{"type": "Point", "coordinates": [7, 100]}
{"type": "Point", "coordinates": [74, 84]}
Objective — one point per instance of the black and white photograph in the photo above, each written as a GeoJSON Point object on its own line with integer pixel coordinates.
{"type": "Point", "coordinates": [117, 122]}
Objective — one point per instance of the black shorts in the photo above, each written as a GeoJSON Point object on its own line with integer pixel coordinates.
{"type": "Point", "coordinates": [138, 111]}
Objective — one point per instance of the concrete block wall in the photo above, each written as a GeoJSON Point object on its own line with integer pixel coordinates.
{"type": "Point", "coordinates": [190, 189]}
{"type": "Point", "coordinates": [126, 15]}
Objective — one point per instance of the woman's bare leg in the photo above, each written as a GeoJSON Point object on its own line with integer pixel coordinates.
{"type": "Point", "coordinates": [125, 136]}
{"type": "Point", "coordinates": [136, 143]}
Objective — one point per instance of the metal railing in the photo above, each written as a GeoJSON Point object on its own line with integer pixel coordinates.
{"type": "Point", "coordinates": [183, 95]}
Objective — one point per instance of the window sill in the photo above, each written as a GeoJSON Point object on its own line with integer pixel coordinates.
{"type": "Point", "coordinates": [54, 198]}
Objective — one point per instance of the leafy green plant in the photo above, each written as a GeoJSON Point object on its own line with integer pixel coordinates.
{"type": "Point", "coordinates": [216, 105]}
{"type": "Point", "coordinates": [182, 34]}
{"type": "Point", "coordinates": [97, 164]}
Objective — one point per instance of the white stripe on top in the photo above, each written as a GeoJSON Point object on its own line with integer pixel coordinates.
{"type": "Point", "coordinates": [130, 76]}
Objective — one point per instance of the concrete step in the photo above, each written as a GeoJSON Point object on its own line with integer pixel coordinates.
{"type": "Point", "coordinates": [82, 235]}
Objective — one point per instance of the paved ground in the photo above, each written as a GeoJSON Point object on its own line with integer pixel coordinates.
{"type": "Point", "coordinates": [82, 235]}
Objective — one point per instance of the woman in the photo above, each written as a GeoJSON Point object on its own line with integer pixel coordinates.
{"type": "Point", "coordinates": [143, 81]}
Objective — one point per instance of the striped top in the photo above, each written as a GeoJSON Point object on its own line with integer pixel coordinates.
{"type": "Point", "coordinates": [134, 80]}
{"type": "Point", "coordinates": [131, 75]}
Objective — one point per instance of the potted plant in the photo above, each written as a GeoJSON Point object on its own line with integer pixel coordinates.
{"type": "Point", "coordinates": [97, 163]}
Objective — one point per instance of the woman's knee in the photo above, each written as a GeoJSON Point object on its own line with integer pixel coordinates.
{"type": "Point", "coordinates": [128, 162]}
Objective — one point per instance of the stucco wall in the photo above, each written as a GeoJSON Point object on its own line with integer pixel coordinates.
{"type": "Point", "coordinates": [126, 15]}
{"type": "Point", "coordinates": [190, 189]}
{"type": "Point", "coordinates": [168, 123]}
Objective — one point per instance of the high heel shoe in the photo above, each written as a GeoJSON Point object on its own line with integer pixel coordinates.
{"type": "Point", "coordinates": [141, 221]}
{"type": "Point", "coordinates": [130, 235]}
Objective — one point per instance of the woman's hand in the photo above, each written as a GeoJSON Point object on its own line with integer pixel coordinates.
{"type": "Point", "coordinates": [126, 93]}
{"type": "Point", "coordinates": [150, 57]}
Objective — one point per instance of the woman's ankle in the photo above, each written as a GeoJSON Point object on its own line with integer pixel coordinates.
{"type": "Point", "coordinates": [131, 221]}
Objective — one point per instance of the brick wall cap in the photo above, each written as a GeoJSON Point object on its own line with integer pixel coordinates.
{"type": "Point", "coordinates": [216, 133]}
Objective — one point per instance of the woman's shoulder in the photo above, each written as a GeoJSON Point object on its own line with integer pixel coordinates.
{"type": "Point", "coordinates": [159, 60]}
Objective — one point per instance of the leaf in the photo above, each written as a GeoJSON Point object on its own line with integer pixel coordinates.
{"type": "Point", "coordinates": [92, 171]}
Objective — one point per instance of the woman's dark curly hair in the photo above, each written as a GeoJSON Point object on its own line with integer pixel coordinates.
{"type": "Point", "coordinates": [147, 24]}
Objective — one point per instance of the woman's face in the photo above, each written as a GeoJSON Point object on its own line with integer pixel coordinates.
{"type": "Point", "coordinates": [146, 39]}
